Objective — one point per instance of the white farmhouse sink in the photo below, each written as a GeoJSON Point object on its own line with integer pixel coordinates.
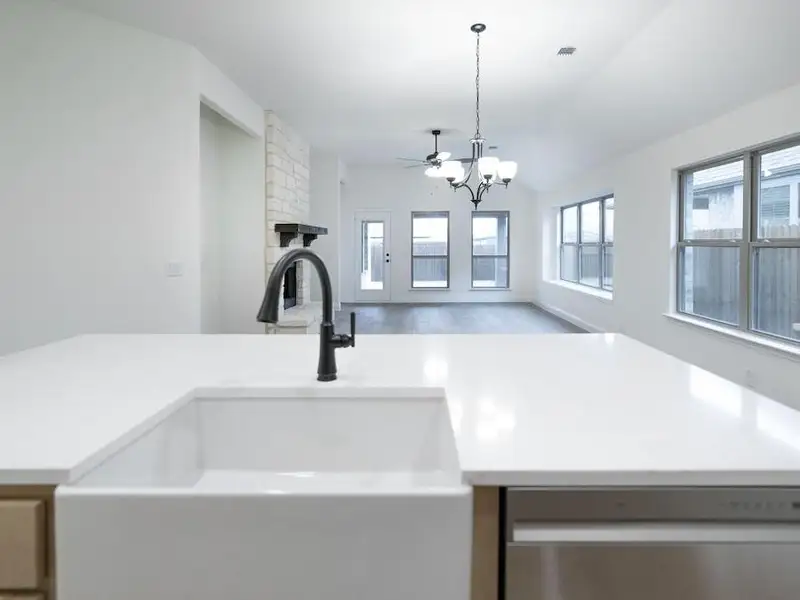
{"type": "Point", "coordinates": [274, 494]}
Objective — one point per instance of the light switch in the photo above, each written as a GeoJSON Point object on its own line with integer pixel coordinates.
{"type": "Point", "coordinates": [174, 269]}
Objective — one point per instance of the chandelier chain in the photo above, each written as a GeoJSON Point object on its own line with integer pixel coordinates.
{"type": "Point", "coordinates": [478, 86]}
{"type": "Point", "coordinates": [492, 171]}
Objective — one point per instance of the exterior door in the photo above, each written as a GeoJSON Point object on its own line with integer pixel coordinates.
{"type": "Point", "coordinates": [373, 258]}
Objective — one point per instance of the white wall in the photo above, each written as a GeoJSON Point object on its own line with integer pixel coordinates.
{"type": "Point", "coordinates": [243, 219]}
{"type": "Point", "coordinates": [99, 175]}
{"type": "Point", "coordinates": [225, 98]}
{"type": "Point", "coordinates": [211, 207]}
{"type": "Point", "coordinates": [402, 191]}
{"type": "Point", "coordinates": [327, 176]}
{"type": "Point", "coordinates": [233, 226]}
{"type": "Point", "coordinates": [644, 183]}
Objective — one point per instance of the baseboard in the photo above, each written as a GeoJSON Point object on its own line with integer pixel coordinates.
{"type": "Point", "coordinates": [569, 317]}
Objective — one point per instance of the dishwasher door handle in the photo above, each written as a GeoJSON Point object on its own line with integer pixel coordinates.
{"type": "Point", "coordinates": [614, 534]}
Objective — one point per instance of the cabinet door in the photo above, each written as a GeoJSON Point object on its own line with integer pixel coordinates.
{"type": "Point", "coordinates": [22, 544]}
{"type": "Point", "coordinates": [485, 536]}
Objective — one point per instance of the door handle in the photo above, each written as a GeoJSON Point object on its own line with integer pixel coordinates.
{"type": "Point", "coordinates": [662, 534]}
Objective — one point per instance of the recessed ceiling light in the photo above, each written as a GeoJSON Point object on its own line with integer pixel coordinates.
{"type": "Point", "coordinates": [566, 51]}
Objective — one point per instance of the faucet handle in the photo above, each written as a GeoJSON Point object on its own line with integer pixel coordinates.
{"type": "Point", "coordinates": [352, 328]}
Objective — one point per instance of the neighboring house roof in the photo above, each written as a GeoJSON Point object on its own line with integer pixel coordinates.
{"type": "Point", "coordinates": [773, 163]}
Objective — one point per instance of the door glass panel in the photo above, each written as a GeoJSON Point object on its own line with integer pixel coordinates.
{"type": "Point", "coordinates": [372, 255]}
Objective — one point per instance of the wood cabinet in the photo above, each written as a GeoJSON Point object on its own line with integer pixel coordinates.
{"type": "Point", "coordinates": [26, 543]}
{"type": "Point", "coordinates": [485, 543]}
{"type": "Point", "coordinates": [22, 544]}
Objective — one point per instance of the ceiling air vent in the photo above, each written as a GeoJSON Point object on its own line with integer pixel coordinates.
{"type": "Point", "coordinates": [566, 51]}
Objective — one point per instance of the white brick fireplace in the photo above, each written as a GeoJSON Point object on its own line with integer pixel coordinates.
{"type": "Point", "coordinates": [287, 201]}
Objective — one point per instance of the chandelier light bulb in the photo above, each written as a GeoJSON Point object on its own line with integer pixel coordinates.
{"type": "Point", "coordinates": [452, 170]}
{"type": "Point", "coordinates": [506, 170]}
{"type": "Point", "coordinates": [487, 165]}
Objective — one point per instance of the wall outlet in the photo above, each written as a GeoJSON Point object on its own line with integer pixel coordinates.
{"type": "Point", "coordinates": [174, 269]}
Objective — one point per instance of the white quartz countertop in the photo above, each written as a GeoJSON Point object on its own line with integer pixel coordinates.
{"type": "Point", "coordinates": [550, 410]}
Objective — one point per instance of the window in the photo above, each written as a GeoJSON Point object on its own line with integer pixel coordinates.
{"type": "Point", "coordinates": [774, 208]}
{"type": "Point", "coordinates": [739, 242]}
{"type": "Point", "coordinates": [490, 243]}
{"type": "Point", "coordinates": [430, 249]}
{"type": "Point", "coordinates": [587, 243]}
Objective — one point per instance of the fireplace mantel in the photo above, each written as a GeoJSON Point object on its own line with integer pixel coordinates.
{"type": "Point", "coordinates": [289, 231]}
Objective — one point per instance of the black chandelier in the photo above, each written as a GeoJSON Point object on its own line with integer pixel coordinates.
{"type": "Point", "coordinates": [491, 169]}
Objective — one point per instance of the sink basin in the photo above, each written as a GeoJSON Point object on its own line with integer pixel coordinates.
{"type": "Point", "coordinates": [275, 494]}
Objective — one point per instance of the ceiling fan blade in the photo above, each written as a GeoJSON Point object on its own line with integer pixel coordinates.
{"type": "Point", "coordinates": [411, 159]}
{"type": "Point", "coordinates": [462, 160]}
{"type": "Point", "coordinates": [443, 156]}
{"type": "Point", "coordinates": [416, 166]}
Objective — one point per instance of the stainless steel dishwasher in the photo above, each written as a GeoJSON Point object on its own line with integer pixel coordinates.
{"type": "Point", "coordinates": [651, 544]}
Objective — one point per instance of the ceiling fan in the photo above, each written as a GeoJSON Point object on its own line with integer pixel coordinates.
{"type": "Point", "coordinates": [434, 160]}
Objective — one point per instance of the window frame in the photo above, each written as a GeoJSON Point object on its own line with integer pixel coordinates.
{"type": "Point", "coordinates": [430, 214]}
{"type": "Point", "coordinates": [507, 255]}
{"type": "Point", "coordinates": [748, 244]}
{"type": "Point", "coordinates": [579, 244]}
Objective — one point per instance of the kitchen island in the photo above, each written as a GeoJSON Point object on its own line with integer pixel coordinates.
{"type": "Point", "coordinates": [525, 410]}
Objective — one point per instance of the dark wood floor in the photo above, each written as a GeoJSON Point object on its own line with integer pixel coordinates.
{"type": "Point", "coordinates": [451, 318]}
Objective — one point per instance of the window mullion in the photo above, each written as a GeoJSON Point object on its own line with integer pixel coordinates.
{"type": "Point", "coordinates": [681, 206]}
{"type": "Point", "coordinates": [602, 220]}
{"type": "Point", "coordinates": [602, 259]}
{"type": "Point", "coordinates": [579, 249]}
{"type": "Point", "coordinates": [710, 243]}
{"type": "Point", "coordinates": [777, 243]}
{"type": "Point", "coordinates": [680, 286]}
{"type": "Point", "coordinates": [749, 197]}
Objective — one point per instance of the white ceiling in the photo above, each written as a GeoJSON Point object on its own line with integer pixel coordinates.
{"type": "Point", "coordinates": [366, 78]}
